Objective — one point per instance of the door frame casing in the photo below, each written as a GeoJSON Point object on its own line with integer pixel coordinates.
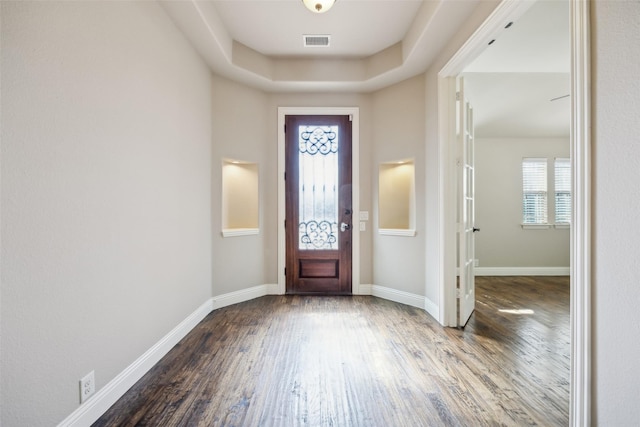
{"type": "Point", "coordinates": [354, 112]}
{"type": "Point", "coordinates": [580, 311]}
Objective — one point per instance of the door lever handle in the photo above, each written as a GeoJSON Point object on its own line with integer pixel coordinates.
{"type": "Point", "coordinates": [475, 229]}
{"type": "Point", "coordinates": [344, 227]}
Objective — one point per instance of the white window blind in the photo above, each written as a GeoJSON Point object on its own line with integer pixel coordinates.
{"type": "Point", "coordinates": [562, 168]}
{"type": "Point", "coordinates": [534, 190]}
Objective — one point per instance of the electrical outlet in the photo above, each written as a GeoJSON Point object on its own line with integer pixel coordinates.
{"type": "Point", "coordinates": [87, 386]}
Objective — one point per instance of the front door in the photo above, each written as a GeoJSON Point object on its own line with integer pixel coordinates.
{"type": "Point", "coordinates": [318, 204]}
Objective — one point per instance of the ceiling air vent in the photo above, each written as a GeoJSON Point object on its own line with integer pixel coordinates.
{"type": "Point", "coordinates": [316, 40]}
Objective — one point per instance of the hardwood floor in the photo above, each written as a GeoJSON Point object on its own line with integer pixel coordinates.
{"type": "Point", "coordinates": [364, 361]}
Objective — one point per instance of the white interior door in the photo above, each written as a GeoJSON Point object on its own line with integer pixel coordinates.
{"type": "Point", "coordinates": [466, 208]}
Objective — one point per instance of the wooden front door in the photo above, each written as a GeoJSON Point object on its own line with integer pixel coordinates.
{"type": "Point", "coordinates": [318, 204]}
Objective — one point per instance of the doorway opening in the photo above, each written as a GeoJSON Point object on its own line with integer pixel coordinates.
{"type": "Point", "coordinates": [324, 267]}
{"type": "Point", "coordinates": [580, 161]}
{"type": "Point", "coordinates": [319, 212]}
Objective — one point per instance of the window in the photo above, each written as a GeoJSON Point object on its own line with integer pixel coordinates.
{"type": "Point", "coordinates": [534, 191]}
{"type": "Point", "coordinates": [562, 169]}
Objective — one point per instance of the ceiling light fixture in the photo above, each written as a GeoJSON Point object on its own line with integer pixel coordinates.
{"type": "Point", "coordinates": [318, 6]}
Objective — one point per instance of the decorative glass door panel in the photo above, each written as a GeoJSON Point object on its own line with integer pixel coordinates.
{"type": "Point", "coordinates": [318, 185]}
{"type": "Point", "coordinates": [318, 190]}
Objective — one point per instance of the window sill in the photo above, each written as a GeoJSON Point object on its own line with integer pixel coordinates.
{"type": "Point", "coordinates": [397, 232]}
{"type": "Point", "coordinates": [545, 226]}
{"type": "Point", "coordinates": [237, 232]}
{"type": "Point", "coordinates": [535, 226]}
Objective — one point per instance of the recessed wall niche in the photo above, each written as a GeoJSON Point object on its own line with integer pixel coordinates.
{"type": "Point", "coordinates": [240, 200]}
{"type": "Point", "coordinates": [396, 198]}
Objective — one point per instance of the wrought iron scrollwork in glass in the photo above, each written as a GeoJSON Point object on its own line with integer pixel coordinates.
{"type": "Point", "coordinates": [319, 139]}
{"type": "Point", "coordinates": [318, 235]}
{"type": "Point", "coordinates": [318, 187]}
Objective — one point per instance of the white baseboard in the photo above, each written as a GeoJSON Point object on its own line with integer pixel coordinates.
{"type": "Point", "coordinates": [97, 405]}
{"type": "Point", "coordinates": [240, 296]}
{"type": "Point", "coordinates": [522, 271]}
{"type": "Point", "coordinates": [273, 289]}
{"type": "Point", "coordinates": [398, 296]}
{"type": "Point", "coordinates": [364, 289]}
{"type": "Point", "coordinates": [402, 297]}
{"type": "Point", "coordinates": [431, 308]}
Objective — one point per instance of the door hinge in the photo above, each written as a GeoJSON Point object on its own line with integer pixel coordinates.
{"type": "Point", "coordinates": [457, 96]}
{"type": "Point", "coordinates": [350, 117]}
{"type": "Point", "coordinates": [458, 293]}
{"type": "Point", "coordinates": [285, 271]}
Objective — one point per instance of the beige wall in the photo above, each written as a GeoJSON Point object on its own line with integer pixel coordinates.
{"type": "Point", "coordinates": [616, 169]}
{"type": "Point", "coordinates": [398, 133]}
{"type": "Point", "coordinates": [238, 122]}
{"type": "Point", "coordinates": [244, 125]}
{"type": "Point", "coordinates": [390, 132]}
{"type": "Point", "coordinates": [106, 195]}
{"type": "Point", "coordinates": [502, 242]}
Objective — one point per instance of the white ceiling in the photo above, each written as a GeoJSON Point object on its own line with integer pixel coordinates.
{"type": "Point", "coordinates": [275, 28]}
{"type": "Point", "coordinates": [519, 104]}
{"type": "Point", "coordinates": [377, 43]}
{"type": "Point", "coordinates": [512, 84]}
{"type": "Point", "coordinates": [374, 43]}
{"type": "Point", "coordinates": [537, 42]}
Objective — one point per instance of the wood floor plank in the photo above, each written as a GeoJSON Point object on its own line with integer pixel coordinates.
{"type": "Point", "coordinates": [362, 361]}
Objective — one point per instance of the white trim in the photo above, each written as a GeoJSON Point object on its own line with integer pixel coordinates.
{"type": "Point", "coordinates": [446, 199]}
{"type": "Point", "coordinates": [506, 11]}
{"type": "Point", "coordinates": [431, 308]}
{"type": "Point", "coordinates": [365, 289]}
{"type": "Point", "coordinates": [236, 232]}
{"type": "Point", "coordinates": [580, 400]}
{"type": "Point", "coordinates": [98, 404]}
{"type": "Point", "coordinates": [397, 232]}
{"type": "Point", "coordinates": [580, 270]}
{"type": "Point", "coordinates": [401, 297]}
{"type": "Point", "coordinates": [398, 296]}
{"type": "Point", "coordinates": [522, 271]}
{"type": "Point", "coordinates": [273, 289]}
{"type": "Point", "coordinates": [242, 295]}
{"type": "Point", "coordinates": [354, 112]}
{"type": "Point", "coordinates": [559, 226]}
{"type": "Point", "coordinates": [536, 226]}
